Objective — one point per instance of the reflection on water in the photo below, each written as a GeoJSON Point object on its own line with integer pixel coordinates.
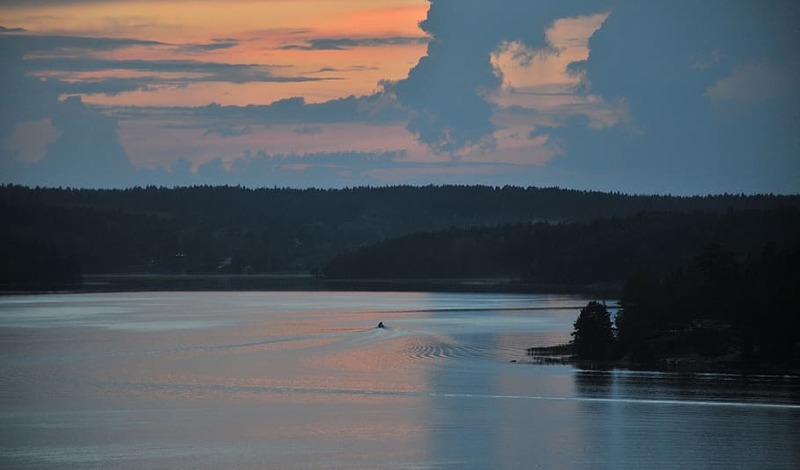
{"type": "Point", "coordinates": [306, 380]}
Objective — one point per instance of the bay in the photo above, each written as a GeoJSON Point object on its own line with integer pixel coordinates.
{"type": "Point", "coordinates": [202, 380]}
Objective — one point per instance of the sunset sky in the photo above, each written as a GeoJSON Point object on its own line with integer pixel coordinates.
{"type": "Point", "coordinates": [679, 97]}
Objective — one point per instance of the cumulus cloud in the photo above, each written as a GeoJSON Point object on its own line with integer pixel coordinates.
{"type": "Point", "coordinates": [645, 109]}
{"type": "Point", "coordinates": [73, 144]}
{"type": "Point", "coordinates": [678, 96]}
{"type": "Point", "coordinates": [671, 64]}
{"type": "Point", "coordinates": [29, 140]}
{"type": "Point", "coordinates": [87, 142]}
{"type": "Point", "coordinates": [754, 83]}
{"type": "Point", "coordinates": [24, 97]}
{"type": "Point", "coordinates": [85, 153]}
{"type": "Point", "coordinates": [447, 90]}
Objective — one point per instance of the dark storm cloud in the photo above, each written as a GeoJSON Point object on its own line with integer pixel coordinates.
{"type": "Point", "coordinates": [86, 153]}
{"type": "Point", "coordinates": [446, 88]}
{"type": "Point", "coordinates": [662, 58]}
{"type": "Point", "coordinates": [23, 97]}
{"type": "Point", "coordinates": [711, 90]}
{"type": "Point", "coordinates": [86, 150]}
{"type": "Point", "coordinates": [664, 61]}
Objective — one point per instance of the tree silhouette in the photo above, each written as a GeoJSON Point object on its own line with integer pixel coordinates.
{"type": "Point", "coordinates": [593, 335]}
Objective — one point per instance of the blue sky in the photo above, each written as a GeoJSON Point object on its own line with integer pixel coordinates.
{"type": "Point", "coordinates": [679, 97]}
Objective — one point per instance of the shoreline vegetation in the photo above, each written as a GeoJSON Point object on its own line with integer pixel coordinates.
{"type": "Point", "coordinates": [717, 314]}
{"type": "Point", "coordinates": [709, 282]}
{"type": "Point", "coordinates": [146, 282]}
{"type": "Point", "coordinates": [538, 236]}
{"type": "Point", "coordinates": [685, 363]}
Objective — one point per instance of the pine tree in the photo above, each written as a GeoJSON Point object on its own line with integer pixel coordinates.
{"type": "Point", "coordinates": [593, 334]}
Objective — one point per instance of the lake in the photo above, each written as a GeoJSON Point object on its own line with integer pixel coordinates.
{"type": "Point", "coordinates": [304, 380]}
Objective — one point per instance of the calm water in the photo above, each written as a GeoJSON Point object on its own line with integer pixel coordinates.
{"type": "Point", "coordinates": [285, 380]}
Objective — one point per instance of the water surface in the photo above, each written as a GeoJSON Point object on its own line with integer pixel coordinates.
{"type": "Point", "coordinates": [305, 380]}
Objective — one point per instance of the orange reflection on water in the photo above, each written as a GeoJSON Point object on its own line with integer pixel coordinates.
{"type": "Point", "coordinates": [377, 367]}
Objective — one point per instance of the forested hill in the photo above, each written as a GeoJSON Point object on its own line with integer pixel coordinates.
{"type": "Point", "coordinates": [603, 251]}
{"type": "Point", "coordinates": [410, 208]}
{"type": "Point", "coordinates": [238, 230]}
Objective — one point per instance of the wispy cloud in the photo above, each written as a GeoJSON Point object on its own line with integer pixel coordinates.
{"type": "Point", "coordinates": [214, 45]}
{"type": "Point", "coordinates": [108, 86]}
{"type": "Point", "coordinates": [77, 64]}
{"type": "Point", "coordinates": [579, 92]}
{"type": "Point", "coordinates": [227, 130]}
{"type": "Point", "coordinates": [305, 117]}
{"type": "Point", "coordinates": [208, 71]}
{"type": "Point", "coordinates": [307, 130]}
{"type": "Point", "coordinates": [4, 29]}
{"type": "Point", "coordinates": [340, 44]}
{"type": "Point", "coordinates": [38, 44]}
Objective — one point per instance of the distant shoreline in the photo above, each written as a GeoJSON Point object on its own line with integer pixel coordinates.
{"type": "Point", "coordinates": [100, 283]}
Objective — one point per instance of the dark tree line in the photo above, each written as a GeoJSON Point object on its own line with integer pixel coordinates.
{"type": "Point", "coordinates": [31, 264]}
{"type": "Point", "coordinates": [746, 308]}
{"type": "Point", "coordinates": [237, 230]}
{"type": "Point", "coordinates": [601, 251]}
{"type": "Point", "coordinates": [719, 311]}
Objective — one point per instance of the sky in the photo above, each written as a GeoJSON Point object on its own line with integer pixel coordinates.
{"type": "Point", "coordinates": [659, 97]}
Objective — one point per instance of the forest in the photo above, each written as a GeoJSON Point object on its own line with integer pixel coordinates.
{"type": "Point", "coordinates": [717, 312]}
{"type": "Point", "coordinates": [54, 236]}
{"type": "Point", "coordinates": [606, 251]}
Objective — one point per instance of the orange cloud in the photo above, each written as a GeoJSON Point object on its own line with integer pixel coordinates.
{"type": "Point", "coordinates": [253, 32]}
{"type": "Point", "coordinates": [527, 71]}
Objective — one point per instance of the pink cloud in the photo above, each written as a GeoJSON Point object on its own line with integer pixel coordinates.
{"type": "Point", "coordinates": [151, 143]}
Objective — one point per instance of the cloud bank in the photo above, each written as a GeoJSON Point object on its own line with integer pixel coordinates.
{"type": "Point", "coordinates": [675, 97]}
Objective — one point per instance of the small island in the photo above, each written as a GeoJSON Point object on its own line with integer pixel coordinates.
{"type": "Point", "coordinates": [720, 314]}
